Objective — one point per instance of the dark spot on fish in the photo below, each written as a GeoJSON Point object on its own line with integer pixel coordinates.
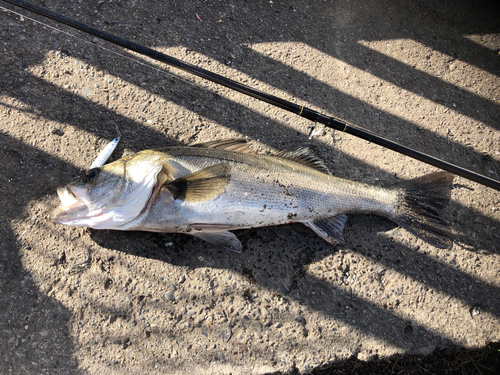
{"type": "Point", "coordinates": [291, 215]}
{"type": "Point", "coordinates": [263, 207]}
{"type": "Point", "coordinates": [283, 186]}
{"type": "Point", "coordinates": [188, 230]}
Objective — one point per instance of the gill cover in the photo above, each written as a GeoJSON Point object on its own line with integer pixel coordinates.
{"type": "Point", "coordinates": [111, 196]}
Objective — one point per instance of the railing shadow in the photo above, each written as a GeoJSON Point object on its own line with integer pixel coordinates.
{"type": "Point", "coordinates": [67, 108]}
{"type": "Point", "coordinates": [34, 333]}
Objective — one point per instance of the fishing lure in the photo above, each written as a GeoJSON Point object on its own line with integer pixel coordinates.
{"type": "Point", "coordinates": [104, 155]}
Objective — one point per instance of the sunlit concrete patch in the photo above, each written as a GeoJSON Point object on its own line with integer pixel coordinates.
{"type": "Point", "coordinates": [490, 41]}
{"type": "Point", "coordinates": [364, 85]}
{"type": "Point", "coordinates": [113, 92]}
{"type": "Point", "coordinates": [201, 60]}
{"type": "Point", "coordinates": [435, 63]}
{"type": "Point", "coordinates": [423, 303]}
{"type": "Point", "coordinates": [388, 98]}
{"type": "Point", "coordinates": [51, 137]}
{"type": "Point", "coordinates": [106, 90]}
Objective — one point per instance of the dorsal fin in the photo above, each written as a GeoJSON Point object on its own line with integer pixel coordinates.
{"type": "Point", "coordinates": [306, 154]}
{"type": "Point", "coordinates": [230, 144]}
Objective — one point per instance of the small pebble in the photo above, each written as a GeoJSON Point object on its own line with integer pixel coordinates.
{"type": "Point", "coordinates": [226, 334]}
{"type": "Point", "coordinates": [256, 326]}
{"type": "Point", "coordinates": [87, 92]}
{"type": "Point", "coordinates": [300, 319]}
{"type": "Point", "coordinates": [182, 279]}
{"type": "Point", "coordinates": [170, 295]}
{"type": "Point", "coordinates": [284, 289]}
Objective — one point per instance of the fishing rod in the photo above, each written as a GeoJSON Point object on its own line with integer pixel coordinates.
{"type": "Point", "coordinates": [302, 111]}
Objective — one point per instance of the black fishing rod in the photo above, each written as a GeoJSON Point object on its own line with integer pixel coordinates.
{"type": "Point", "coordinates": [301, 111]}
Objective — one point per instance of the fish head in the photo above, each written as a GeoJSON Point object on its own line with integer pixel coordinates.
{"type": "Point", "coordinates": [112, 195]}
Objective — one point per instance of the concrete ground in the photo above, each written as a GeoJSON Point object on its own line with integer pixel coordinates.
{"type": "Point", "coordinates": [79, 301]}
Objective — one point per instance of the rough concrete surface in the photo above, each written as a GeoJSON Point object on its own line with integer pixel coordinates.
{"type": "Point", "coordinates": [79, 301]}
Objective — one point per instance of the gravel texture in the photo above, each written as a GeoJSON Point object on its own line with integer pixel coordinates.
{"type": "Point", "coordinates": [74, 300]}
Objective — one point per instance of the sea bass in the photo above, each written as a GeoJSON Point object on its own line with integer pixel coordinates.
{"type": "Point", "coordinates": [208, 189]}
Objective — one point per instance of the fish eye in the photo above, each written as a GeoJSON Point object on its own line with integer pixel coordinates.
{"type": "Point", "coordinates": [92, 174]}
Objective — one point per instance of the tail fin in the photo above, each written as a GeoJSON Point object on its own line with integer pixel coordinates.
{"type": "Point", "coordinates": [421, 202]}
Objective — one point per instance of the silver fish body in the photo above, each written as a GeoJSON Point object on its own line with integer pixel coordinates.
{"type": "Point", "coordinates": [206, 191]}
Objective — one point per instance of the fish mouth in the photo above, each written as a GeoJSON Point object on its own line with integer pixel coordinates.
{"type": "Point", "coordinates": [71, 201]}
{"type": "Point", "coordinates": [68, 198]}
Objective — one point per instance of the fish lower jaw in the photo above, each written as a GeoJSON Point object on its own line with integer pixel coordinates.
{"type": "Point", "coordinates": [79, 222]}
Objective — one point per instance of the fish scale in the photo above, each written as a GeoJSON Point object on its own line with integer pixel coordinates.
{"type": "Point", "coordinates": [284, 186]}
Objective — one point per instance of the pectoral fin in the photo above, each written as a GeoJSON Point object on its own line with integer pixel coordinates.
{"type": "Point", "coordinates": [223, 238]}
{"type": "Point", "coordinates": [330, 228]}
{"type": "Point", "coordinates": [201, 186]}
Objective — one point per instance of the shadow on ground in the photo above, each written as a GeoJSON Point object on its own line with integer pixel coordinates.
{"type": "Point", "coordinates": [30, 173]}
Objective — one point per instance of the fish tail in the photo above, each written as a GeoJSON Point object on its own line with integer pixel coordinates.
{"type": "Point", "coordinates": [421, 203]}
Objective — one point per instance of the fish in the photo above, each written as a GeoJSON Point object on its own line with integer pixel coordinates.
{"type": "Point", "coordinates": [210, 189]}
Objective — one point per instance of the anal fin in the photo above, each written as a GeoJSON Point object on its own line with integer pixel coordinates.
{"type": "Point", "coordinates": [223, 238]}
{"type": "Point", "coordinates": [330, 228]}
